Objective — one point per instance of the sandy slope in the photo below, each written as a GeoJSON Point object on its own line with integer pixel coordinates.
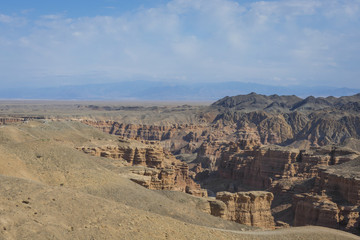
{"type": "Point", "coordinates": [30, 210]}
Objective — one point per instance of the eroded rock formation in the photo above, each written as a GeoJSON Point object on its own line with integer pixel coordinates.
{"type": "Point", "coordinates": [286, 171]}
{"type": "Point", "coordinates": [280, 125]}
{"type": "Point", "coordinates": [261, 166]}
{"type": "Point", "coordinates": [344, 184]}
{"type": "Point", "coordinates": [150, 156]}
{"type": "Point", "coordinates": [282, 144]}
{"type": "Point", "coordinates": [183, 138]}
{"type": "Point", "coordinates": [320, 210]}
{"type": "Point", "coordinates": [162, 171]}
{"type": "Point", "coordinates": [315, 210]}
{"type": "Point", "coordinates": [10, 120]}
{"type": "Point", "coordinates": [335, 200]}
{"type": "Point", "coordinates": [249, 208]}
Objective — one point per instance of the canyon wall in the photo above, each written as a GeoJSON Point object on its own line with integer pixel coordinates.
{"type": "Point", "coordinates": [321, 210]}
{"type": "Point", "coordinates": [283, 128]}
{"type": "Point", "coordinates": [261, 166]}
{"type": "Point", "coordinates": [316, 210]}
{"type": "Point", "coordinates": [177, 138]}
{"type": "Point", "coordinates": [249, 208]}
{"type": "Point", "coordinates": [334, 201]}
{"type": "Point", "coordinates": [345, 185]}
{"type": "Point", "coordinates": [327, 178]}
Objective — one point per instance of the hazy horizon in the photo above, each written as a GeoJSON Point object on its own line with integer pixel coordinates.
{"type": "Point", "coordinates": [164, 91]}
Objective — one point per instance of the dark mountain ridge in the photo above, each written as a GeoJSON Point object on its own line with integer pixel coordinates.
{"type": "Point", "coordinates": [286, 103]}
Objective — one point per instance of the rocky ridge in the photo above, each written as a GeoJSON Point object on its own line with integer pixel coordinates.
{"type": "Point", "coordinates": [288, 102]}
{"type": "Point", "coordinates": [288, 119]}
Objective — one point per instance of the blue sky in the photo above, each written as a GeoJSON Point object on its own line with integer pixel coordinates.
{"type": "Point", "coordinates": [287, 42]}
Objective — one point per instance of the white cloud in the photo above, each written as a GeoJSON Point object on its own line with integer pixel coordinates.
{"type": "Point", "coordinates": [198, 40]}
{"type": "Point", "coordinates": [5, 18]}
{"type": "Point", "coordinates": [11, 21]}
{"type": "Point", "coordinates": [52, 16]}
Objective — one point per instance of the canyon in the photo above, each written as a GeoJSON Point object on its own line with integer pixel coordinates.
{"type": "Point", "coordinates": [280, 144]}
{"type": "Point", "coordinates": [272, 162]}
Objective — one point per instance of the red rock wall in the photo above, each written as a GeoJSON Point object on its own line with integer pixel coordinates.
{"type": "Point", "coordinates": [346, 186]}
{"type": "Point", "coordinates": [320, 210]}
{"type": "Point", "coordinates": [249, 208]}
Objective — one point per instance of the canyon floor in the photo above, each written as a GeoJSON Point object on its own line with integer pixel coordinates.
{"type": "Point", "coordinates": [107, 170]}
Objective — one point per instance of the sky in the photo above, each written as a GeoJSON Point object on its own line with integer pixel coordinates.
{"type": "Point", "coordinates": [280, 42]}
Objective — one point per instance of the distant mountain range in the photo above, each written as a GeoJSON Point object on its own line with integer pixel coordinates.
{"type": "Point", "coordinates": [148, 90]}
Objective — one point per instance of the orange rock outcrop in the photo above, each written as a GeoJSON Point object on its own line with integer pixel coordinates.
{"type": "Point", "coordinates": [347, 186]}
{"type": "Point", "coordinates": [321, 210]}
{"type": "Point", "coordinates": [317, 210]}
{"type": "Point", "coordinates": [335, 199]}
{"type": "Point", "coordinates": [249, 208]}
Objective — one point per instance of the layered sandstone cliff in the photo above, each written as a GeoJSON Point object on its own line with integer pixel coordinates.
{"type": "Point", "coordinates": [174, 137]}
{"type": "Point", "coordinates": [343, 182]}
{"type": "Point", "coordinates": [249, 208]}
{"type": "Point", "coordinates": [177, 138]}
{"type": "Point", "coordinates": [262, 166]}
{"type": "Point", "coordinates": [321, 210]}
{"type": "Point", "coordinates": [335, 201]}
{"type": "Point", "coordinates": [150, 156]}
{"type": "Point", "coordinates": [286, 171]}
{"type": "Point", "coordinates": [315, 210]}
